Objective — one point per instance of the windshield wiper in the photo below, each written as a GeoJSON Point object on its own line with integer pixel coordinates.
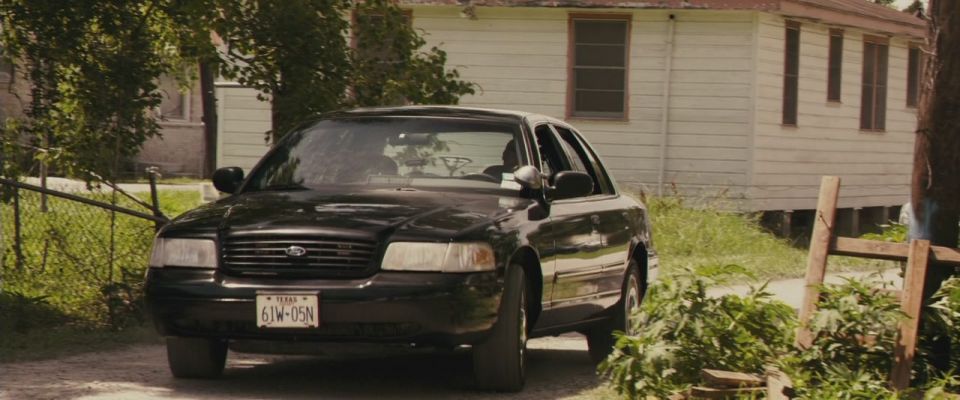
{"type": "Point", "coordinates": [282, 187]}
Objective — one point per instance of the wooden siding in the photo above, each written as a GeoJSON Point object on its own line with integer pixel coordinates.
{"type": "Point", "coordinates": [518, 57]}
{"type": "Point", "coordinates": [788, 161]}
{"type": "Point", "coordinates": [244, 121]}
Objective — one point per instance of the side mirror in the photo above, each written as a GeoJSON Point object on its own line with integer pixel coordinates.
{"type": "Point", "coordinates": [228, 179]}
{"type": "Point", "coordinates": [529, 177]}
{"type": "Point", "coordinates": [570, 184]}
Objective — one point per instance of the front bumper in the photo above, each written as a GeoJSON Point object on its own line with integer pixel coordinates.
{"type": "Point", "coordinates": [401, 307]}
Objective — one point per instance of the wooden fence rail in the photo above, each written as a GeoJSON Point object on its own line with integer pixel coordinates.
{"type": "Point", "coordinates": [918, 254]}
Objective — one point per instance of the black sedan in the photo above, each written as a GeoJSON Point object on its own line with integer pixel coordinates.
{"type": "Point", "coordinates": [426, 226]}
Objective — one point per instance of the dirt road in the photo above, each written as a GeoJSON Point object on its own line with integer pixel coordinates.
{"type": "Point", "coordinates": [559, 367]}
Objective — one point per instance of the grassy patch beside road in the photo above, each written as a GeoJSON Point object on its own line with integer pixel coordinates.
{"type": "Point", "coordinates": [693, 237]}
{"type": "Point", "coordinates": [71, 290]}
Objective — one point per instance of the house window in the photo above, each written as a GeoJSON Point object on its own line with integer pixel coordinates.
{"type": "Point", "coordinates": [174, 102]}
{"type": "Point", "coordinates": [598, 73]}
{"type": "Point", "coordinates": [914, 68]}
{"type": "Point", "coordinates": [791, 72]}
{"type": "Point", "coordinates": [873, 100]}
{"type": "Point", "coordinates": [835, 65]}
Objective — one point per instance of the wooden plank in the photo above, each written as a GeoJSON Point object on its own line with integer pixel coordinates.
{"type": "Point", "coordinates": [844, 246]}
{"type": "Point", "coordinates": [906, 348]}
{"type": "Point", "coordinates": [720, 379]}
{"type": "Point", "coordinates": [700, 392]}
{"type": "Point", "coordinates": [778, 385]}
{"type": "Point", "coordinates": [819, 248]}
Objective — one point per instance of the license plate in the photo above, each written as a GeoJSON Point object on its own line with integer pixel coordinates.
{"type": "Point", "coordinates": [288, 310]}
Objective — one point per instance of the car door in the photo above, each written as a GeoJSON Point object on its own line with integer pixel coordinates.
{"type": "Point", "coordinates": [575, 228]}
{"type": "Point", "coordinates": [610, 210]}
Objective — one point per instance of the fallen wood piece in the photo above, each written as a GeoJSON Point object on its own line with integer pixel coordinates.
{"type": "Point", "coordinates": [729, 379]}
{"type": "Point", "coordinates": [779, 385]}
{"type": "Point", "coordinates": [700, 392]}
{"type": "Point", "coordinates": [911, 303]}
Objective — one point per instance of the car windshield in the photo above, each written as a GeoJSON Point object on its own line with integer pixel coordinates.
{"type": "Point", "coordinates": [393, 151]}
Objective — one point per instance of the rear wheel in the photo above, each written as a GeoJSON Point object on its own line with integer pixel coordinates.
{"type": "Point", "coordinates": [600, 339]}
{"type": "Point", "coordinates": [499, 362]}
{"type": "Point", "coordinates": [196, 357]}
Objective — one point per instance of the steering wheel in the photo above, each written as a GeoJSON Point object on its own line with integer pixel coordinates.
{"type": "Point", "coordinates": [480, 177]}
{"type": "Point", "coordinates": [453, 163]}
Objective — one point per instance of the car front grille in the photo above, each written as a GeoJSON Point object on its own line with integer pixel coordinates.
{"type": "Point", "coordinates": [281, 256]}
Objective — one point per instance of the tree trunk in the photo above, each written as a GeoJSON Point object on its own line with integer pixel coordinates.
{"type": "Point", "coordinates": [935, 193]}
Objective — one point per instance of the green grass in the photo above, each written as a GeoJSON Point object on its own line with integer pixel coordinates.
{"type": "Point", "coordinates": [67, 294]}
{"type": "Point", "coordinates": [690, 237]}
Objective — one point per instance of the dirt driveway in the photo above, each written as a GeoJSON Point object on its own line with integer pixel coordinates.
{"type": "Point", "coordinates": [559, 367]}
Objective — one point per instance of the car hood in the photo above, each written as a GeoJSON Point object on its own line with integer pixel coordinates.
{"type": "Point", "coordinates": [371, 213]}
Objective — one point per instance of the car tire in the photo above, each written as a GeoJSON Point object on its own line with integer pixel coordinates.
{"type": "Point", "coordinates": [499, 362]}
{"type": "Point", "coordinates": [196, 358]}
{"type": "Point", "coordinates": [600, 340]}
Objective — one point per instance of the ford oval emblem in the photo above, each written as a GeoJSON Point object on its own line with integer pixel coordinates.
{"type": "Point", "coordinates": [295, 251]}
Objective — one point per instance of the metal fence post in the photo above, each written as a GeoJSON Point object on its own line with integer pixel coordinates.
{"type": "Point", "coordinates": [153, 173]}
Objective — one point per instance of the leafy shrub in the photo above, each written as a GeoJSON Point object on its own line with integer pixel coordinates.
{"type": "Point", "coordinates": [682, 330]}
{"type": "Point", "coordinates": [891, 232]}
{"type": "Point", "coordinates": [854, 333]}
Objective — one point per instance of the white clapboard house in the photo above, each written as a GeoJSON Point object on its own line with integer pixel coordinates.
{"type": "Point", "coordinates": [753, 99]}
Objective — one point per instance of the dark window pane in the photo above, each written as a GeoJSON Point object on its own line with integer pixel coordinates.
{"type": "Point", "coordinates": [869, 63]}
{"type": "Point", "coordinates": [602, 79]}
{"type": "Point", "coordinates": [880, 111]}
{"type": "Point", "coordinates": [601, 102]}
{"type": "Point", "coordinates": [599, 92]}
{"type": "Point", "coordinates": [607, 32]}
{"type": "Point", "coordinates": [790, 101]}
{"type": "Point", "coordinates": [835, 72]}
{"type": "Point", "coordinates": [600, 55]}
{"type": "Point", "coordinates": [913, 76]}
{"type": "Point", "coordinates": [791, 66]}
{"type": "Point", "coordinates": [866, 107]}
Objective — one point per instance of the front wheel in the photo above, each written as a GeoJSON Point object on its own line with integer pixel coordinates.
{"type": "Point", "coordinates": [600, 339]}
{"type": "Point", "coordinates": [196, 357]}
{"type": "Point", "coordinates": [499, 362]}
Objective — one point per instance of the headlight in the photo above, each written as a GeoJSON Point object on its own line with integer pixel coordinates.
{"type": "Point", "coordinates": [195, 253]}
{"type": "Point", "coordinates": [442, 257]}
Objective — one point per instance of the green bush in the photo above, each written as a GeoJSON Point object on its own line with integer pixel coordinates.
{"type": "Point", "coordinates": [683, 330]}
{"type": "Point", "coordinates": [854, 332]}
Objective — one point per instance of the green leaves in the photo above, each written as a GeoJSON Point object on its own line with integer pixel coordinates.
{"type": "Point", "coordinates": [683, 330]}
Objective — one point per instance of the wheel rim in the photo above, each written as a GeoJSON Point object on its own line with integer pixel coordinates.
{"type": "Point", "coordinates": [631, 303]}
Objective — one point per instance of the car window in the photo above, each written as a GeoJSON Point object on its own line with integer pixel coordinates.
{"type": "Point", "coordinates": [580, 160]}
{"type": "Point", "coordinates": [554, 159]}
{"type": "Point", "coordinates": [392, 151]}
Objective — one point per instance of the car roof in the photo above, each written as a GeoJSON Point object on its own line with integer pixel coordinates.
{"type": "Point", "coordinates": [436, 111]}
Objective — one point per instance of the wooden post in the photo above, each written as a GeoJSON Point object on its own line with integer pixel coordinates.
{"type": "Point", "coordinates": [786, 223]}
{"type": "Point", "coordinates": [819, 247]}
{"type": "Point", "coordinates": [855, 222]}
{"type": "Point", "coordinates": [911, 301]}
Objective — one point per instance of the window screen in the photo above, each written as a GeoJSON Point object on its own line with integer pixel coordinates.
{"type": "Point", "coordinates": [599, 72]}
{"type": "Point", "coordinates": [835, 65]}
{"type": "Point", "coordinates": [791, 73]}
{"type": "Point", "coordinates": [914, 61]}
{"type": "Point", "coordinates": [873, 100]}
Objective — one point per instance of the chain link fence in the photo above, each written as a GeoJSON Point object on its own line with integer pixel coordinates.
{"type": "Point", "coordinates": [82, 254]}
